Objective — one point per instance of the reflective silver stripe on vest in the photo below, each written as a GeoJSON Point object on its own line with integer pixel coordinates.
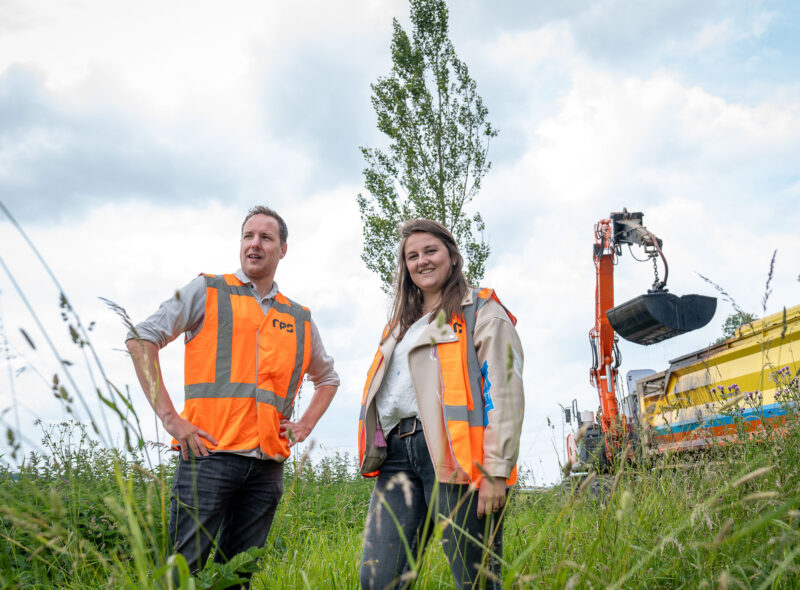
{"type": "Point", "coordinates": [301, 318]}
{"type": "Point", "coordinates": [224, 332]}
{"type": "Point", "coordinates": [475, 416]}
{"type": "Point", "coordinates": [462, 413]}
{"type": "Point", "coordinates": [196, 390]}
{"type": "Point", "coordinates": [271, 398]}
{"type": "Point", "coordinates": [218, 282]}
{"type": "Point", "coordinates": [459, 413]}
{"type": "Point", "coordinates": [225, 325]}
{"type": "Point", "coordinates": [241, 390]}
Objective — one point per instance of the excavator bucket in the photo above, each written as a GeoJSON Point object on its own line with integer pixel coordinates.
{"type": "Point", "coordinates": [660, 315]}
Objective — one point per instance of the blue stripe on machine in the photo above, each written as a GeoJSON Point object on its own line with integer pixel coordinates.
{"type": "Point", "coordinates": [769, 411]}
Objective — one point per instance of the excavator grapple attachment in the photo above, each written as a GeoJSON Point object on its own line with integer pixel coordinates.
{"type": "Point", "coordinates": [660, 315]}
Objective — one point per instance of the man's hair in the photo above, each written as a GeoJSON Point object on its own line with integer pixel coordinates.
{"type": "Point", "coordinates": [262, 210]}
{"type": "Point", "coordinates": [407, 305]}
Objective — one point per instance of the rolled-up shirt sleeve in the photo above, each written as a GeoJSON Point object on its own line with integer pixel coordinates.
{"type": "Point", "coordinates": [183, 312]}
{"type": "Point", "coordinates": [320, 367]}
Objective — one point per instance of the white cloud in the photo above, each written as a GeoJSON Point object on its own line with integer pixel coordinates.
{"type": "Point", "coordinates": [162, 51]}
{"type": "Point", "coordinates": [710, 35]}
{"type": "Point", "coordinates": [637, 139]}
{"type": "Point", "coordinates": [258, 104]}
{"type": "Point", "coordinates": [718, 34]}
{"type": "Point", "coordinates": [178, 55]}
{"type": "Point", "coordinates": [523, 51]}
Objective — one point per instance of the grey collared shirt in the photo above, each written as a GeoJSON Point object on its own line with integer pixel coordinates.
{"type": "Point", "coordinates": [185, 312]}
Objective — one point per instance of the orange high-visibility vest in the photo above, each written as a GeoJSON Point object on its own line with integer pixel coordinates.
{"type": "Point", "coordinates": [463, 387]}
{"type": "Point", "coordinates": [243, 368]}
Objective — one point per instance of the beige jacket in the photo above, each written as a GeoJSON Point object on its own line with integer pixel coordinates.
{"type": "Point", "coordinates": [498, 345]}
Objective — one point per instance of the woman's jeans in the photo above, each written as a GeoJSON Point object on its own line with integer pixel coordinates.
{"type": "Point", "coordinates": [406, 504]}
{"type": "Point", "coordinates": [234, 495]}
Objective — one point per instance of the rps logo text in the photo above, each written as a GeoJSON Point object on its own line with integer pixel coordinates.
{"type": "Point", "coordinates": [276, 323]}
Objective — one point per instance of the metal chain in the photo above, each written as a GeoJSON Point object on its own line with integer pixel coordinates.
{"type": "Point", "coordinates": [655, 268]}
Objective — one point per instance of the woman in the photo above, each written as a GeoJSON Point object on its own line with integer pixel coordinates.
{"type": "Point", "coordinates": [440, 418]}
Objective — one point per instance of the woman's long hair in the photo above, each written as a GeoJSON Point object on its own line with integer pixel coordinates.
{"type": "Point", "coordinates": [407, 305]}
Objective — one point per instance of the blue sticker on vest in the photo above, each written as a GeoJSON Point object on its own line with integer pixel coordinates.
{"type": "Point", "coordinates": [487, 397]}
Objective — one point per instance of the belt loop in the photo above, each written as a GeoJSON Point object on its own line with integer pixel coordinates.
{"type": "Point", "coordinates": [410, 432]}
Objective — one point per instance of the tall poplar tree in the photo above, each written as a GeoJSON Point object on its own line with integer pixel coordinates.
{"type": "Point", "coordinates": [429, 108]}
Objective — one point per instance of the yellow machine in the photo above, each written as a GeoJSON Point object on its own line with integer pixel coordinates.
{"type": "Point", "coordinates": [715, 394]}
{"type": "Point", "coordinates": [647, 319]}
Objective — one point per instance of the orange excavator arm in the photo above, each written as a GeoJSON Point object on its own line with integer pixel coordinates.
{"type": "Point", "coordinates": [646, 319]}
{"type": "Point", "coordinates": [606, 358]}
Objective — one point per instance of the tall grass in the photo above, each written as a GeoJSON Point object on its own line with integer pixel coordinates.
{"type": "Point", "coordinates": [63, 517]}
{"type": "Point", "coordinates": [80, 514]}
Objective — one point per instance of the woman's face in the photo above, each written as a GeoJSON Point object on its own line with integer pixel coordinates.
{"type": "Point", "coordinates": [428, 262]}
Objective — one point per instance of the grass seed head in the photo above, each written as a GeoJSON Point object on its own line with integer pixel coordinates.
{"type": "Point", "coordinates": [56, 504]}
{"type": "Point", "coordinates": [723, 532]}
{"type": "Point", "coordinates": [587, 482]}
{"type": "Point", "coordinates": [572, 583]}
{"type": "Point", "coordinates": [401, 479]}
{"type": "Point", "coordinates": [756, 496]}
{"type": "Point", "coordinates": [627, 500]}
{"type": "Point", "coordinates": [751, 476]}
{"type": "Point", "coordinates": [489, 575]}
{"type": "Point", "coordinates": [625, 505]}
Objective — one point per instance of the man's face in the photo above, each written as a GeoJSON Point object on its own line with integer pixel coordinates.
{"type": "Point", "coordinates": [261, 247]}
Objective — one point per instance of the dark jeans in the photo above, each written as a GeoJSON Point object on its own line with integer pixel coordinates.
{"type": "Point", "coordinates": [221, 492]}
{"type": "Point", "coordinates": [406, 503]}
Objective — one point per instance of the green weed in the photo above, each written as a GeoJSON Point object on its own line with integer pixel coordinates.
{"type": "Point", "coordinates": [80, 514]}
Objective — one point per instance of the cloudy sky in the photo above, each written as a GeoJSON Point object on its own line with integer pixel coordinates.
{"type": "Point", "coordinates": [134, 137]}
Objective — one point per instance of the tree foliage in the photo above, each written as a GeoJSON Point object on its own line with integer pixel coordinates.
{"type": "Point", "coordinates": [429, 108]}
{"type": "Point", "coordinates": [733, 322]}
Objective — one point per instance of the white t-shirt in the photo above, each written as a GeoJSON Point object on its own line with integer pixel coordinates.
{"type": "Point", "coordinates": [395, 398]}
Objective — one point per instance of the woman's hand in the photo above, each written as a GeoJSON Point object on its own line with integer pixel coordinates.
{"type": "Point", "coordinates": [491, 495]}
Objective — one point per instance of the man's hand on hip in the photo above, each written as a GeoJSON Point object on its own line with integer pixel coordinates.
{"type": "Point", "coordinates": [188, 436]}
{"type": "Point", "coordinates": [294, 432]}
{"type": "Point", "coordinates": [297, 432]}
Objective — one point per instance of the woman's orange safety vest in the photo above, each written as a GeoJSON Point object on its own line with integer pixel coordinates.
{"type": "Point", "coordinates": [463, 384]}
{"type": "Point", "coordinates": [244, 368]}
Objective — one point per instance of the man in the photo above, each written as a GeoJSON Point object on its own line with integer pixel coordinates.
{"type": "Point", "coordinates": [247, 348]}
